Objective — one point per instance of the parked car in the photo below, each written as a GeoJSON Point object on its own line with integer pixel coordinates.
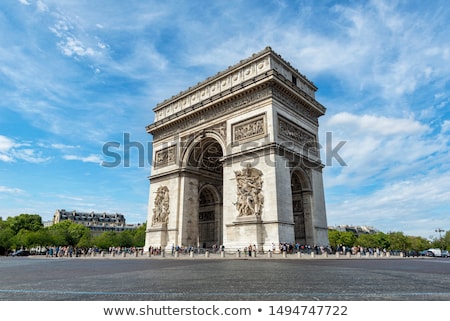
{"type": "Point", "coordinates": [434, 252]}
{"type": "Point", "coordinates": [412, 253]}
{"type": "Point", "coordinates": [444, 253]}
{"type": "Point", "coordinates": [21, 253]}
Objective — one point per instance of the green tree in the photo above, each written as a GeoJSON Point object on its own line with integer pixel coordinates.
{"type": "Point", "coordinates": [417, 243]}
{"type": "Point", "coordinates": [139, 236]}
{"type": "Point", "coordinates": [68, 233]}
{"type": "Point", "coordinates": [337, 238]}
{"type": "Point", "coordinates": [367, 241]}
{"type": "Point", "coordinates": [29, 222]}
{"type": "Point", "coordinates": [106, 240]}
{"type": "Point", "coordinates": [398, 241]}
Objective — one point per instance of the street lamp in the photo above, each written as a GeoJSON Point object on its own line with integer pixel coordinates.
{"type": "Point", "coordinates": [439, 230]}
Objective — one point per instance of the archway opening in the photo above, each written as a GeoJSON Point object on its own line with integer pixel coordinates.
{"type": "Point", "coordinates": [206, 157]}
{"type": "Point", "coordinates": [298, 207]}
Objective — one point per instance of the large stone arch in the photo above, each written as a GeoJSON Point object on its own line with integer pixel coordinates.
{"type": "Point", "coordinates": [217, 135]}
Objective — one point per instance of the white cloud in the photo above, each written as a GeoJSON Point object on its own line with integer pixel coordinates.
{"type": "Point", "coordinates": [379, 147]}
{"type": "Point", "coordinates": [25, 2]}
{"type": "Point", "coordinates": [10, 190]}
{"type": "Point", "coordinates": [85, 159]}
{"type": "Point", "coordinates": [11, 151]}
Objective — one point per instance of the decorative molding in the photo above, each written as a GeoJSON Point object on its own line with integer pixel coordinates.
{"type": "Point", "coordinates": [213, 112]}
{"type": "Point", "coordinates": [249, 129]}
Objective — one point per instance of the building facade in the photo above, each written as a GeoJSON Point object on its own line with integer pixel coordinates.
{"type": "Point", "coordinates": [236, 160]}
{"type": "Point", "coordinates": [96, 222]}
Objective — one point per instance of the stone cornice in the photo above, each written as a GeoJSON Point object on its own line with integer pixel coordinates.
{"type": "Point", "coordinates": [243, 74]}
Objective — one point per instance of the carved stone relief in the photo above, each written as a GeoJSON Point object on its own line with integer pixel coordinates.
{"type": "Point", "coordinates": [165, 156]}
{"type": "Point", "coordinates": [298, 135]}
{"type": "Point", "coordinates": [250, 199]}
{"type": "Point", "coordinates": [249, 129]}
{"type": "Point", "coordinates": [161, 206]}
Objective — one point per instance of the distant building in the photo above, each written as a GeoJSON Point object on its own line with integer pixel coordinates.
{"type": "Point", "coordinates": [96, 222]}
{"type": "Point", "coordinates": [357, 230]}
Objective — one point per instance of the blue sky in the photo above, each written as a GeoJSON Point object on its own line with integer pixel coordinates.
{"type": "Point", "coordinates": [75, 75]}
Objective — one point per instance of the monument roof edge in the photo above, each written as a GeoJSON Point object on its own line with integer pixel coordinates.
{"type": "Point", "coordinates": [266, 51]}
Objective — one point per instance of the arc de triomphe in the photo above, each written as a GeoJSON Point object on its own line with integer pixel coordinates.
{"type": "Point", "coordinates": [236, 161]}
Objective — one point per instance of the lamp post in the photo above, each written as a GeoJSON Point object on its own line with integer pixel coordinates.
{"type": "Point", "coordinates": [439, 230]}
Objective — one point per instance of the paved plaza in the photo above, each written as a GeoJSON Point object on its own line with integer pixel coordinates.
{"type": "Point", "coordinates": [224, 279]}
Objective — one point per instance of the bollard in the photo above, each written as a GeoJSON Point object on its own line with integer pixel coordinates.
{"type": "Point", "coordinates": [124, 254]}
{"type": "Point", "coordinates": [177, 253]}
{"type": "Point", "coordinates": [313, 255]}
{"type": "Point", "coordinates": [254, 254]}
{"type": "Point", "coordinates": [388, 254]}
{"type": "Point", "coordinates": [149, 254]}
{"type": "Point", "coordinates": [191, 253]}
{"type": "Point", "coordinates": [163, 253]}
{"type": "Point", "coordinates": [222, 254]}
{"type": "Point", "coordinates": [102, 254]}
{"type": "Point", "coordinates": [238, 253]}
{"type": "Point", "coordinates": [349, 255]}
{"type": "Point", "coordinates": [269, 254]}
{"type": "Point", "coordinates": [113, 253]}
{"type": "Point", "coordinates": [136, 253]}
{"type": "Point", "coordinates": [325, 254]}
{"type": "Point", "coordinates": [299, 255]}
{"type": "Point", "coordinates": [338, 255]}
{"type": "Point", "coordinates": [207, 254]}
{"type": "Point", "coordinates": [284, 254]}
{"type": "Point", "coordinates": [358, 255]}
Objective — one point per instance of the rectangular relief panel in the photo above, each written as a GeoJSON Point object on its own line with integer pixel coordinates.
{"type": "Point", "coordinates": [249, 129]}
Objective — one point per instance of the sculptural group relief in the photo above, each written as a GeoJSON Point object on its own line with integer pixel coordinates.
{"type": "Point", "coordinates": [250, 199]}
{"type": "Point", "coordinates": [161, 206]}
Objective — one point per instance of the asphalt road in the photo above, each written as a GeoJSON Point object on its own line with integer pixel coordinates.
{"type": "Point", "coordinates": [213, 279]}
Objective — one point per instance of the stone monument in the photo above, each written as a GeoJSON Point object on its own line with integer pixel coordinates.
{"type": "Point", "coordinates": [236, 161]}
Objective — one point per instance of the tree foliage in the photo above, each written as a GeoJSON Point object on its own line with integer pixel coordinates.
{"type": "Point", "coordinates": [27, 231]}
